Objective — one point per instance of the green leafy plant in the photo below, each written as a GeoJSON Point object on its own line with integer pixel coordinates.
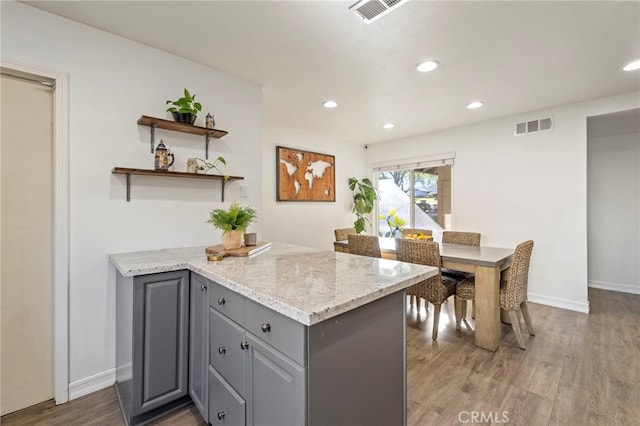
{"type": "Point", "coordinates": [185, 104]}
{"type": "Point", "coordinates": [236, 218]}
{"type": "Point", "coordinates": [364, 197]}
{"type": "Point", "coordinates": [395, 224]}
{"type": "Point", "coordinates": [205, 165]}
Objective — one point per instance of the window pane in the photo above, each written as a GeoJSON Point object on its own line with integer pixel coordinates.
{"type": "Point", "coordinates": [425, 189]}
{"type": "Point", "coordinates": [395, 201]}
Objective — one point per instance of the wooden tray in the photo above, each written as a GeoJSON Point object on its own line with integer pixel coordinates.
{"type": "Point", "coordinates": [242, 251]}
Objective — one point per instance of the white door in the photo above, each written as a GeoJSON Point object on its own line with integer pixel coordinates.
{"type": "Point", "coordinates": [26, 250]}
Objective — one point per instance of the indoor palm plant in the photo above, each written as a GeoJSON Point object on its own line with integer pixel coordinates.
{"type": "Point", "coordinates": [184, 109]}
{"type": "Point", "coordinates": [232, 222]}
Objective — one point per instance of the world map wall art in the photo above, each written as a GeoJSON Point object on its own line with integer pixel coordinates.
{"type": "Point", "coordinates": [304, 175]}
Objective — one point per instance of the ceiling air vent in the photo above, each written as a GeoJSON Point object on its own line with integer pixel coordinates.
{"type": "Point", "coordinates": [533, 126]}
{"type": "Point", "coordinates": [370, 10]}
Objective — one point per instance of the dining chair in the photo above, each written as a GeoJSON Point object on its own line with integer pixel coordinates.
{"type": "Point", "coordinates": [436, 289]}
{"type": "Point", "coordinates": [513, 291]}
{"type": "Point", "coordinates": [405, 233]}
{"type": "Point", "coordinates": [408, 231]}
{"type": "Point", "coordinates": [465, 239]}
{"type": "Point", "coordinates": [341, 233]}
{"type": "Point", "coordinates": [462, 238]}
{"type": "Point", "coordinates": [364, 245]}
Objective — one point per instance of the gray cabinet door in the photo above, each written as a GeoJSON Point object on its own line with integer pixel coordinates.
{"type": "Point", "coordinates": [160, 339]}
{"type": "Point", "coordinates": [198, 343]}
{"type": "Point", "coordinates": [275, 387]}
{"type": "Point", "coordinates": [226, 407]}
{"type": "Point", "coordinates": [226, 349]}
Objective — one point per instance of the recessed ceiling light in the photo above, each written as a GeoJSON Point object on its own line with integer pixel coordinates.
{"type": "Point", "coordinates": [474, 104]}
{"type": "Point", "coordinates": [632, 66]}
{"type": "Point", "coordinates": [427, 66]}
{"type": "Point", "coordinates": [329, 104]}
{"type": "Point", "coordinates": [388, 126]}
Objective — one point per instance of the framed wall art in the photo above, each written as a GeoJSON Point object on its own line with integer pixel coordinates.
{"type": "Point", "coordinates": [304, 175]}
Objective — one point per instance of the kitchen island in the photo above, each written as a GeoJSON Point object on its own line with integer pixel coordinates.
{"type": "Point", "coordinates": [290, 335]}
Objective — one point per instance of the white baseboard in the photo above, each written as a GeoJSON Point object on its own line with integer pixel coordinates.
{"type": "Point", "coordinates": [623, 288]}
{"type": "Point", "coordinates": [92, 384]}
{"type": "Point", "coordinates": [559, 303]}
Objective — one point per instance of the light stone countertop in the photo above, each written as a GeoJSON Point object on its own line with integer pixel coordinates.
{"type": "Point", "coordinates": [302, 283]}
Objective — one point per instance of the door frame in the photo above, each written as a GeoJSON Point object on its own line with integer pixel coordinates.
{"type": "Point", "coordinates": [60, 221]}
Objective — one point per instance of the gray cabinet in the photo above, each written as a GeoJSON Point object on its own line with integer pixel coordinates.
{"type": "Point", "coordinates": [226, 405]}
{"type": "Point", "coordinates": [256, 371]}
{"type": "Point", "coordinates": [152, 344]}
{"type": "Point", "coordinates": [276, 388]}
{"type": "Point", "coordinates": [198, 343]}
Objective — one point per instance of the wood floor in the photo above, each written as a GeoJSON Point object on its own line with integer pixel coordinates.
{"type": "Point", "coordinates": [579, 369]}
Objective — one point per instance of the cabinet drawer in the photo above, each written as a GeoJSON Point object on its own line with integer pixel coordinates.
{"type": "Point", "coordinates": [225, 353]}
{"type": "Point", "coordinates": [227, 302]}
{"type": "Point", "coordinates": [226, 407]}
{"type": "Point", "coordinates": [282, 333]}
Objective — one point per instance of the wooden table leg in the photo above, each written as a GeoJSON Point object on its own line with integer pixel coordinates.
{"type": "Point", "coordinates": [487, 307]}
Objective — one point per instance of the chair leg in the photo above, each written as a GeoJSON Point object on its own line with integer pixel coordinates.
{"type": "Point", "coordinates": [411, 300]}
{"type": "Point", "coordinates": [436, 321]}
{"type": "Point", "coordinates": [515, 324]}
{"type": "Point", "coordinates": [457, 302]}
{"type": "Point", "coordinates": [418, 302]}
{"type": "Point", "coordinates": [527, 319]}
{"type": "Point", "coordinates": [473, 309]}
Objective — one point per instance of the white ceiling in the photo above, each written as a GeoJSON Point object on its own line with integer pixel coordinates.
{"type": "Point", "coordinates": [516, 56]}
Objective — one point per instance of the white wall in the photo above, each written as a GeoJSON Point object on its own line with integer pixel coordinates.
{"type": "Point", "coordinates": [308, 223]}
{"type": "Point", "coordinates": [614, 212]}
{"type": "Point", "coordinates": [530, 187]}
{"type": "Point", "coordinates": [113, 82]}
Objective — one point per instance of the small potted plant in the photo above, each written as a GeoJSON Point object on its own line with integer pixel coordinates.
{"type": "Point", "coordinates": [185, 109]}
{"type": "Point", "coordinates": [232, 222]}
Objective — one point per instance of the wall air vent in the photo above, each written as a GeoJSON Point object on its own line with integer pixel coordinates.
{"type": "Point", "coordinates": [533, 126]}
{"type": "Point", "coordinates": [370, 10]}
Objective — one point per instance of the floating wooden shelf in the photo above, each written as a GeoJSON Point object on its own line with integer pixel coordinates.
{"type": "Point", "coordinates": [160, 173]}
{"type": "Point", "coordinates": [160, 123]}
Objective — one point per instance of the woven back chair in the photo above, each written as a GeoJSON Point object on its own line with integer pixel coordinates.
{"type": "Point", "coordinates": [513, 290]}
{"type": "Point", "coordinates": [436, 289]}
{"type": "Point", "coordinates": [364, 245]}
{"type": "Point", "coordinates": [341, 233]}
{"type": "Point", "coordinates": [463, 238]}
{"type": "Point", "coordinates": [407, 231]}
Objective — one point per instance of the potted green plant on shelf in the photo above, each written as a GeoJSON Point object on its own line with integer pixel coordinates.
{"type": "Point", "coordinates": [196, 165]}
{"type": "Point", "coordinates": [364, 197]}
{"type": "Point", "coordinates": [184, 109]}
{"type": "Point", "coordinates": [232, 222]}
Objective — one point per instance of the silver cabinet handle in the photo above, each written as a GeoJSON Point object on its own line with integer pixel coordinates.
{"type": "Point", "coordinates": [244, 345]}
{"type": "Point", "coordinates": [203, 287]}
{"type": "Point", "coordinates": [266, 327]}
{"type": "Point", "coordinates": [221, 301]}
{"type": "Point", "coordinates": [222, 350]}
{"type": "Point", "coordinates": [221, 415]}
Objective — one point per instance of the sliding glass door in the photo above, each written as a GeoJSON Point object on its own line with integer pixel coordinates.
{"type": "Point", "coordinates": [414, 198]}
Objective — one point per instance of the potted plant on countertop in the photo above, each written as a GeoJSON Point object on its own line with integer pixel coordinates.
{"type": "Point", "coordinates": [184, 109]}
{"type": "Point", "coordinates": [232, 222]}
{"type": "Point", "coordinates": [364, 197]}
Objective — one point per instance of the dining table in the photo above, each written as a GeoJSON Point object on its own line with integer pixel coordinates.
{"type": "Point", "coordinates": [486, 263]}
